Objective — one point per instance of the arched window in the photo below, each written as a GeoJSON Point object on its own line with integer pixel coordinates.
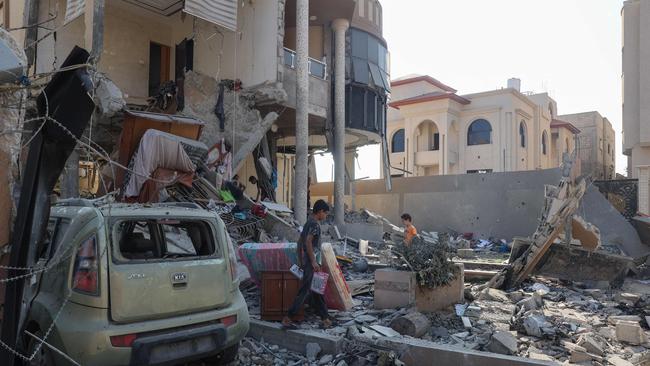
{"type": "Point", "coordinates": [479, 133]}
{"type": "Point", "coordinates": [544, 142]}
{"type": "Point", "coordinates": [522, 133]}
{"type": "Point", "coordinates": [397, 143]}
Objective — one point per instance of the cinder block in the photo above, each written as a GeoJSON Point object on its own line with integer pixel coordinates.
{"type": "Point", "coordinates": [430, 300]}
{"type": "Point", "coordinates": [394, 289]}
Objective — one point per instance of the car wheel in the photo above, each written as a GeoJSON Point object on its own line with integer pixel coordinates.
{"type": "Point", "coordinates": [225, 357]}
{"type": "Point", "coordinates": [43, 356]}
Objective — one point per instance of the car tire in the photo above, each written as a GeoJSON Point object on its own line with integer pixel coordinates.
{"type": "Point", "coordinates": [43, 357]}
{"type": "Point", "coordinates": [225, 357]}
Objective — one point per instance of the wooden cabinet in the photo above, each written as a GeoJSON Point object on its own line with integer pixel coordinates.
{"type": "Point", "coordinates": [279, 289]}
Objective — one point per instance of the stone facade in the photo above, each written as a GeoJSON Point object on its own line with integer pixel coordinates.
{"type": "Point", "coordinates": [597, 144]}
{"type": "Point", "coordinates": [434, 131]}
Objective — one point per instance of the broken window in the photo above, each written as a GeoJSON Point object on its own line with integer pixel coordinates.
{"type": "Point", "coordinates": [397, 143]}
{"type": "Point", "coordinates": [479, 133]}
{"type": "Point", "coordinates": [164, 239]}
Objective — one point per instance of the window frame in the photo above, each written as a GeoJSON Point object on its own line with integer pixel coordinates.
{"type": "Point", "coordinates": [392, 141]}
{"type": "Point", "coordinates": [119, 258]}
{"type": "Point", "coordinates": [473, 134]}
{"type": "Point", "coordinates": [544, 143]}
{"type": "Point", "coordinates": [523, 132]}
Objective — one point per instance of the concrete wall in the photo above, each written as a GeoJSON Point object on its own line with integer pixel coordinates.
{"type": "Point", "coordinates": [501, 205]}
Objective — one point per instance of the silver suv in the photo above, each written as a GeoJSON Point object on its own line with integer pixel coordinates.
{"type": "Point", "coordinates": [135, 285]}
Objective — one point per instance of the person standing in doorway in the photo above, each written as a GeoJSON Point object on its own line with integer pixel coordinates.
{"type": "Point", "coordinates": [309, 256]}
{"type": "Point", "coordinates": [410, 231]}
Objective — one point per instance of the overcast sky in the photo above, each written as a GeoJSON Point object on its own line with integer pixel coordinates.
{"type": "Point", "coordinates": [569, 48]}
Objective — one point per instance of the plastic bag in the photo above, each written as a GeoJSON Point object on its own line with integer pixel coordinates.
{"type": "Point", "coordinates": [319, 282]}
{"type": "Point", "coordinates": [296, 271]}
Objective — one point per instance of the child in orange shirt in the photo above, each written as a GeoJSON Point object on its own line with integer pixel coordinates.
{"type": "Point", "coordinates": [409, 230]}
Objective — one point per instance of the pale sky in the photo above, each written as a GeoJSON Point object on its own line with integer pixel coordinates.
{"type": "Point", "coordinates": [569, 48]}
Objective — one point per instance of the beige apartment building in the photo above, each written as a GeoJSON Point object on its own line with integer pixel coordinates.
{"type": "Point", "coordinates": [434, 131]}
{"type": "Point", "coordinates": [597, 138]}
{"type": "Point", "coordinates": [636, 95]}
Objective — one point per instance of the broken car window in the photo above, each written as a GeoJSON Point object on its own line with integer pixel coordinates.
{"type": "Point", "coordinates": [164, 239]}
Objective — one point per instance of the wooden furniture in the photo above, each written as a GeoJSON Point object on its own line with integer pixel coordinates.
{"type": "Point", "coordinates": [279, 289]}
{"type": "Point", "coordinates": [134, 126]}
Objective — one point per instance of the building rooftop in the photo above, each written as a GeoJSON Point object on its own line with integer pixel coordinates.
{"type": "Point", "coordinates": [428, 98]}
{"type": "Point", "coordinates": [556, 123]}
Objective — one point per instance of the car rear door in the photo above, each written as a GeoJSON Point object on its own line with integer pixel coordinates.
{"type": "Point", "coordinates": [166, 267]}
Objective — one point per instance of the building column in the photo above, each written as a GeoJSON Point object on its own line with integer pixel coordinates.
{"type": "Point", "coordinates": [644, 189]}
{"type": "Point", "coordinates": [340, 27]}
{"type": "Point", "coordinates": [302, 111]}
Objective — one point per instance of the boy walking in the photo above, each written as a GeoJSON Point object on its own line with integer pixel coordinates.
{"type": "Point", "coordinates": [309, 256]}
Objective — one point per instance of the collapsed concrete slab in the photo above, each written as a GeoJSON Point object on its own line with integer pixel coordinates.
{"type": "Point", "coordinates": [294, 340]}
{"type": "Point", "coordinates": [572, 263]}
{"type": "Point", "coordinates": [243, 120]}
{"type": "Point", "coordinates": [614, 228]}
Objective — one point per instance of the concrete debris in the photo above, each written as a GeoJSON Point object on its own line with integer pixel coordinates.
{"type": "Point", "coordinates": [108, 97]}
{"type": "Point", "coordinates": [312, 350]}
{"type": "Point", "coordinates": [593, 344]}
{"type": "Point", "coordinates": [586, 233]}
{"type": "Point", "coordinates": [413, 324]}
{"type": "Point", "coordinates": [617, 361]}
{"type": "Point", "coordinates": [630, 332]}
{"type": "Point", "coordinates": [504, 343]}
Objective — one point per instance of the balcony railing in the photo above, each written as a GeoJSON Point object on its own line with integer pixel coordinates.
{"type": "Point", "coordinates": [316, 68]}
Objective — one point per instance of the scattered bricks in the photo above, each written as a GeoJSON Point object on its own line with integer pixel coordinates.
{"type": "Point", "coordinates": [430, 300]}
{"type": "Point", "coordinates": [394, 289]}
{"type": "Point", "coordinates": [592, 344]}
{"type": "Point", "coordinates": [630, 332]}
{"type": "Point", "coordinates": [412, 324]}
{"type": "Point", "coordinates": [617, 361]}
{"type": "Point", "coordinates": [504, 343]}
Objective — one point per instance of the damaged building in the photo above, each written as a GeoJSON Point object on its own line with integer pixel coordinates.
{"type": "Point", "coordinates": [527, 265]}
{"type": "Point", "coordinates": [240, 70]}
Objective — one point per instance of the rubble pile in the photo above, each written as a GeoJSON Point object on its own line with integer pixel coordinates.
{"type": "Point", "coordinates": [429, 260]}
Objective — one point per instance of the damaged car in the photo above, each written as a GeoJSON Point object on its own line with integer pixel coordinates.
{"type": "Point", "coordinates": [136, 285]}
